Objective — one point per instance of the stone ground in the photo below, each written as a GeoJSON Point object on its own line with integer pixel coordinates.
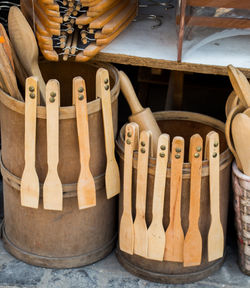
{"type": "Point", "coordinates": [106, 273]}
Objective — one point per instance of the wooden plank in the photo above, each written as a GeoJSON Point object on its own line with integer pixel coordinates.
{"type": "Point", "coordinates": [242, 4]}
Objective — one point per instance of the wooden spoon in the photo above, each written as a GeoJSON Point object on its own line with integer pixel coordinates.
{"type": "Point", "coordinates": [112, 174]}
{"type": "Point", "coordinates": [25, 45]}
{"type": "Point", "coordinates": [237, 109]}
{"type": "Point", "coordinates": [156, 233]}
{"type": "Point", "coordinates": [232, 101]}
{"type": "Point", "coordinates": [216, 233]}
{"type": "Point", "coordinates": [126, 235]}
{"type": "Point", "coordinates": [86, 192]}
{"type": "Point", "coordinates": [174, 233]}
{"type": "Point", "coordinates": [52, 187]}
{"type": "Point", "coordinates": [140, 226]}
{"type": "Point", "coordinates": [241, 138]}
{"type": "Point", "coordinates": [193, 241]}
{"type": "Point", "coordinates": [29, 182]}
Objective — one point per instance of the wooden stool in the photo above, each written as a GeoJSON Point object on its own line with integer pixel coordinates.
{"type": "Point", "coordinates": [207, 21]}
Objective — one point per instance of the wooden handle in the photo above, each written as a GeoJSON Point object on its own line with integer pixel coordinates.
{"type": "Point", "coordinates": [29, 182]}
{"type": "Point", "coordinates": [6, 45]}
{"type": "Point", "coordinates": [131, 142]}
{"type": "Point", "coordinates": [86, 186]}
{"type": "Point", "coordinates": [241, 88]}
{"type": "Point", "coordinates": [215, 234]}
{"type": "Point", "coordinates": [174, 233]}
{"type": "Point", "coordinates": [129, 93]}
{"type": "Point", "coordinates": [160, 177]}
{"type": "Point", "coordinates": [104, 5]}
{"type": "Point", "coordinates": [144, 152]}
{"type": "Point", "coordinates": [195, 158]}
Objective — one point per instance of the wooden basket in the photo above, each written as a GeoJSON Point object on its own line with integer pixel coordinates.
{"type": "Point", "coordinates": [241, 187]}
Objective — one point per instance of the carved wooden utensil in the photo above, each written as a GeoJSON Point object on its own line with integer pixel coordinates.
{"type": "Point", "coordinates": [112, 174]}
{"type": "Point", "coordinates": [126, 235]}
{"type": "Point", "coordinates": [156, 232]}
{"type": "Point", "coordinates": [143, 117]}
{"type": "Point", "coordinates": [174, 233]}
{"type": "Point", "coordinates": [52, 187]}
{"type": "Point", "coordinates": [193, 241]}
{"type": "Point", "coordinates": [86, 192]}
{"type": "Point", "coordinates": [140, 226]}
{"type": "Point", "coordinates": [29, 182]}
{"type": "Point", "coordinates": [215, 234]}
{"type": "Point", "coordinates": [24, 43]}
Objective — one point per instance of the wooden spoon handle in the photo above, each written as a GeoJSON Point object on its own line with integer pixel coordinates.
{"type": "Point", "coordinates": [129, 93]}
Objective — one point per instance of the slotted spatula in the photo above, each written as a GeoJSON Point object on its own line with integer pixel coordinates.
{"type": "Point", "coordinates": [52, 188]}
{"type": "Point", "coordinates": [156, 232]}
{"type": "Point", "coordinates": [140, 226]}
{"type": "Point", "coordinates": [86, 192]}
{"type": "Point", "coordinates": [112, 174]}
{"type": "Point", "coordinates": [174, 233]}
{"type": "Point", "coordinates": [126, 235]}
{"type": "Point", "coordinates": [193, 240]}
{"type": "Point", "coordinates": [29, 181]}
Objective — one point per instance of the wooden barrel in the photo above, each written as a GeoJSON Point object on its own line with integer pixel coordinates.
{"type": "Point", "coordinates": [71, 237]}
{"type": "Point", "coordinates": [185, 124]}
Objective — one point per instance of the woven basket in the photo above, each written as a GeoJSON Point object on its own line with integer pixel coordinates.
{"type": "Point", "coordinates": [241, 187]}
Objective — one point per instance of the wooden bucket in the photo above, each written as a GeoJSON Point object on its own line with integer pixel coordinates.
{"type": "Point", "coordinates": [72, 237]}
{"type": "Point", "coordinates": [241, 187]}
{"type": "Point", "coordinates": [185, 124]}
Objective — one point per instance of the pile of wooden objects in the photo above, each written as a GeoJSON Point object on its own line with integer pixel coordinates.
{"type": "Point", "coordinates": [77, 28]}
{"type": "Point", "coordinates": [238, 135]}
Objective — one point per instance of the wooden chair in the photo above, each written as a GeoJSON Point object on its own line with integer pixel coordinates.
{"type": "Point", "coordinates": [207, 21]}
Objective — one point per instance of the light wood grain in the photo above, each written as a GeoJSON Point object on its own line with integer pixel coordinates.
{"type": "Point", "coordinates": [52, 188]}
{"type": "Point", "coordinates": [215, 234]}
{"type": "Point", "coordinates": [156, 232]}
{"type": "Point", "coordinates": [143, 117]}
{"type": "Point", "coordinates": [126, 234]}
{"type": "Point", "coordinates": [29, 182]}
{"type": "Point", "coordinates": [140, 226]}
{"type": "Point", "coordinates": [24, 43]}
{"type": "Point", "coordinates": [112, 174]}
{"type": "Point", "coordinates": [86, 192]}
{"type": "Point", "coordinates": [193, 242]}
{"type": "Point", "coordinates": [174, 233]}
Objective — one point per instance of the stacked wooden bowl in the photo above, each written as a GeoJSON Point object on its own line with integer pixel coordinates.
{"type": "Point", "coordinates": [77, 28]}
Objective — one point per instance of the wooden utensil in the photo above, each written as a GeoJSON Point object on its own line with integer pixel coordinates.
{"type": "Point", "coordinates": [86, 192]}
{"type": "Point", "coordinates": [52, 187]}
{"type": "Point", "coordinates": [174, 233]}
{"type": "Point", "coordinates": [8, 76]}
{"type": "Point", "coordinates": [232, 101]}
{"type": "Point", "coordinates": [112, 175]}
{"type": "Point", "coordinates": [193, 242]}
{"type": "Point", "coordinates": [29, 182]}
{"type": "Point", "coordinates": [140, 226]}
{"type": "Point", "coordinates": [237, 109]}
{"type": "Point", "coordinates": [143, 117]}
{"type": "Point", "coordinates": [241, 137]}
{"type": "Point", "coordinates": [215, 234]}
{"type": "Point", "coordinates": [240, 84]}
{"type": "Point", "coordinates": [25, 45]}
{"type": "Point", "coordinates": [156, 232]}
{"type": "Point", "coordinates": [126, 235]}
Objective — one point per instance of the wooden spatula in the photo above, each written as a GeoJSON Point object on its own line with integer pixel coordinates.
{"type": "Point", "coordinates": [126, 235]}
{"type": "Point", "coordinates": [86, 192]}
{"type": "Point", "coordinates": [241, 137]}
{"type": "Point", "coordinates": [174, 233]}
{"type": "Point", "coordinates": [52, 188]}
{"type": "Point", "coordinates": [140, 226]}
{"type": "Point", "coordinates": [156, 232]}
{"type": "Point", "coordinates": [193, 241]}
{"type": "Point", "coordinates": [143, 117]}
{"type": "Point", "coordinates": [29, 181]}
{"type": "Point", "coordinates": [215, 234]}
{"type": "Point", "coordinates": [112, 174]}
{"type": "Point", "coordinates": [24, 43]}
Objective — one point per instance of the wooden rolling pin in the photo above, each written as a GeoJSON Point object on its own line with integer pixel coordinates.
{"type": "Point", "coordinates": [142, 116]}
